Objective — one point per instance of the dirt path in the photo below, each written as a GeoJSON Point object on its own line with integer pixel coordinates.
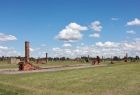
{"type": "Point", "coordinates": [50, 69]}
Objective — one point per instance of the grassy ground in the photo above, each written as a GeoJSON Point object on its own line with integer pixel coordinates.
{"type": "Point", "coordinates": [4, 65]}
{"type": "Point", "coordinates": [60, 63]}
{"type": "Point", "coordinates": [116, 79]}
{"type": "Point", "coordinates": [7, 66]}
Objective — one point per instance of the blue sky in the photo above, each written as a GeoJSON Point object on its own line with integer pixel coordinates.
{"type": "Point", "coordinates": [50, 25]}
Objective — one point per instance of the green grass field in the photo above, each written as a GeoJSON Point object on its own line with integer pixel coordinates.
{"type": "Point", "coordinates": [4, 65]}
{"type": "Point", "coordinates": [115, 79]}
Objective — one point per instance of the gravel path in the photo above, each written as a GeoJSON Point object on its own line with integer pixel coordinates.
{"type": "Point", "coordinates": [50, 69]}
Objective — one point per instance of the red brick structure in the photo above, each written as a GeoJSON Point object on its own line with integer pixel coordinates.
{"type": "Point", "coordinates": [97, 60]}
{"type": "Point", "coordinates": [93, 62]}
{"type": "Point", "coordinates": [26, 66]}
{"type": "Point", "coordinates": [27, 50]}
{"type": "Point", "coordinates": [46, 57]}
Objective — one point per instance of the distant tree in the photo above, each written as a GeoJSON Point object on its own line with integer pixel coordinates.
{"type": "Point", "coordinates": [137, 58]}
{"type": "Point", "coordinates": [50, 58]}
{"type": "Point", "coordinates": [3, 58]}
{"type": "Point", "coordinates": [56, 58]}
{"type": "Point", "coordinates": [67, 58]}
{"type": "Point", "coordinates": [115, 58]}
{"type": "Point", "coordinates": [32, 59]}
{"type": "Point", "coordinates": [62, 58]}
{"type": "Point", "coordinates": [85, 58]}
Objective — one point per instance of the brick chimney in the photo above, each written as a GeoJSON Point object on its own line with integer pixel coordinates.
{"type": "Point", "coordinates": [46, 57]}
{"type": "Point", "coordinates": [27, 52]}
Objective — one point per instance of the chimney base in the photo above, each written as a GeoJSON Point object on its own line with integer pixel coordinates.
{"type": "Point", "coordinates": [27, 66]}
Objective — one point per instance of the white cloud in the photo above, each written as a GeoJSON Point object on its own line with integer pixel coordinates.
{"type": "Point", "coordinates": [127, 45]}
{"type": "Point", "coordinates": [131, 32]}
{"type": "Point", "coordinates": [107, 44]}
{"type": "Point", "coordinates": [95, 35]}
{"type": "Point", "coordinates": [114, 19]}
{"type": "Point", "coordinates": [56, 49]}
{"type": "Point", "coordinates": [106, 49]}
{"type": "Point", "coordinates": [96, 26]}
{"type": "Point", "coordinates": [75, 26]}
{"type": "Point", "coordinates": [3, 48]}
{"type": "Point", "coordinates": [38, 51]}
{"type": "Point", "coordinates": [135, 22]}
{"type": "Point", "coordinates": [71, 33]}
{"type": "Point", "coordinates": [7, 51]}
{"type": "Point", "coordinates": [31, 49]}
{"type": "Point", "coordinates": [100, 44]}
{"type": "Point", "coordinates": [67, 45]}
{"type": "Point", "coordinates": [137, 39]}
{"type": "Point", "coordinates": [4, 37]}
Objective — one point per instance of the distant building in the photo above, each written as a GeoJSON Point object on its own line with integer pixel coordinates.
{"type": "Point", "coordinates": [13, 60]}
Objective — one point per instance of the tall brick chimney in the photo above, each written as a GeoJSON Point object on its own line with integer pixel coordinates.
{"type": "Point", "coordinates": [27, 66]}
{"type": "Point", "coordinates": [27, 52]}
{"type": "Point", "coordinates": [46, 57]}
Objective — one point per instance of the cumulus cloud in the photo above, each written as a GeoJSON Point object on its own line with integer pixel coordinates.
{"type": "Point", "coordinates": [4, 37]}
{"type": "Point", "coordinates": [127, 45]}
{"type": "Point", "coordinates": [67, 45]}
{"type": "Point", "coordinates": [107, 44]}
{"type": "Point", "coordinates": [95, 35]}
{"type": "Point", "coordinates": [38, 51]}
{"type": "Point", "coordinates": [3, 48]}
{"type": "Point", "coordinates": [131, 32]}
{"type": "Point", "coordinates": [75, 26]}
{"type": "Point", "coordinates": [106, 49]}
{"type": "Point", "coordinates": [31, 49]}
{"type": "Point", "coordinates": [135, 22]}
{"type": "Point", "coordinates": [7, 51]}
{"type": "Point", "coordinates": [56, 49]}
{"type": "Point", "coordinates": [96, 26]}
{"type": "Point", "coordinates": [71, 33]}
